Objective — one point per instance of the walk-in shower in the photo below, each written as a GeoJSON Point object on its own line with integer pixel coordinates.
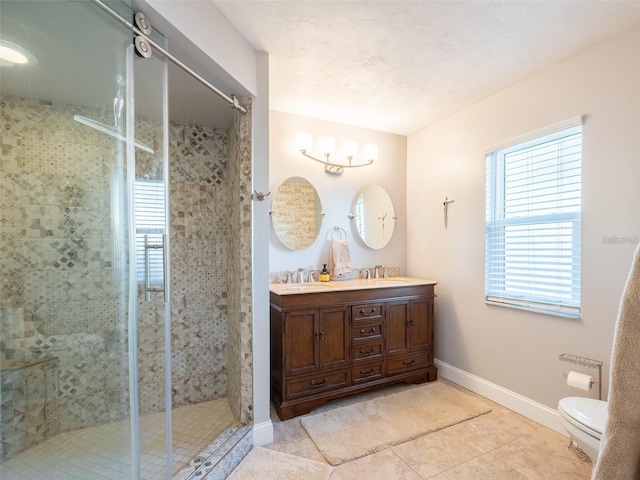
{"type": "Point", "coordinates": [125, 253]}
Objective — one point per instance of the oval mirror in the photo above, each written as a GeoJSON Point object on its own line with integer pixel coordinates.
{"type": "Point", "coordinates": [296, 213]}
{"type": "Point", "coordinates": [373, 216]}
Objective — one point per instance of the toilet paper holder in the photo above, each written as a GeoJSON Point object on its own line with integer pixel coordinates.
{"type": "Point", "coordinates": [585, 362]}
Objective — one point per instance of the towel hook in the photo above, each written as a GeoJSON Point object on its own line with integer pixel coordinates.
{"type": "Point", "coordinates": [260, 196]}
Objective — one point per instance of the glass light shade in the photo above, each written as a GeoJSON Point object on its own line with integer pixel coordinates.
{"type": "Point", "coordinates": [326, 145]}
{"type": "Point", "coordinates": [303, 141]}
{"type": "Point", "coordinates": [349, 148]}
{"type": "Point", "coordinates": [370, 152]}
{"type": "Point", "coordinates": [12, 54]}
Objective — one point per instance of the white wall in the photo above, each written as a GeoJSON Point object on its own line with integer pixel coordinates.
{"type": "Point", "coordinates": [230, 62]}
{"type": "Point", "coordinates": [514, 349]}
{"type": "Point", "coordinates": [263, 429]}
{"type": "Point", "coordinates": [337, 192]}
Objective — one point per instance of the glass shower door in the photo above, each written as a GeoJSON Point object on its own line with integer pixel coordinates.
{"type": "Point", "coordinates": [65, 256]}
{"type": "Point", "coordinates": [148, 181]}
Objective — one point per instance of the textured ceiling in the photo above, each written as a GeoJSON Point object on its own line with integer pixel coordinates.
{"type": "Point", "coordinates": [398, 66]}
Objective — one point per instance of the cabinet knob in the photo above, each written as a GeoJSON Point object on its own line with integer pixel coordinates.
{"type": "Point", "coordinates": [368, 372]}
{"type": "Point", "coordinates": [367, 314]}
{"type": "Point", "coordinates": [367, 353]}
{"type": "Point", "coordinates": [410, 322]}
{"type": "Point", "coordinates": [411, 362]}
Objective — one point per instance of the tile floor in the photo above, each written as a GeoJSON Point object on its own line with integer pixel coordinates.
{"type": "Point", "coordinates": [103, 453]}
{"type": "Point", "coordinates": [501, 445]}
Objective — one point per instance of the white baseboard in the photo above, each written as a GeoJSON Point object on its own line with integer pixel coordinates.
{"type": "Point", "coordinates": [512, 400]}
{"type": "Point", "coordinates": [262, 433]}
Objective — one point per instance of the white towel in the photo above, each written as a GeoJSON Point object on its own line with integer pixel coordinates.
{"type": "Point", "coordinates": [619, 457]}
{"type": "Point", "coordinates": [340, 257]}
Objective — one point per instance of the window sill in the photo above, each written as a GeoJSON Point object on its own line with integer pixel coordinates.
{"type": "Point", "coordinates": [527, 308]}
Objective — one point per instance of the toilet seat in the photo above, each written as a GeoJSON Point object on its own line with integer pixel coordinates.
{"type": "Point", "coordinates": [587, 414]}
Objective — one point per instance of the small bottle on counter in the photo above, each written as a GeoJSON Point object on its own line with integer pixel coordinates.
{"type": "Point", "coordinates": [324, 274]}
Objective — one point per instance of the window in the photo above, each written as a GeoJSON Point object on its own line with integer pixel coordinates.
{"type": "Point", "coordinates": [359, 217]}
{"type": "Point", "coordinates": [533, 219]}
{"type": "Point", "coordinates": [150, 221]}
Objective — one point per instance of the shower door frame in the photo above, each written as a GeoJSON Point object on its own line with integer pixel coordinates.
{"type": "Point", "coordinates": [136, 444]}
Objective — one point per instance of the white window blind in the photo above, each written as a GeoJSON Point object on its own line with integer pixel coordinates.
{"type": "Point", "coordinates": [533, 224]}
{"type": "Point", "coordinates": [150, 221]}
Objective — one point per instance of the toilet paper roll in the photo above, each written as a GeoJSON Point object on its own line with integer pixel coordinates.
{"type": "Point", "coordinates": [579, 380]}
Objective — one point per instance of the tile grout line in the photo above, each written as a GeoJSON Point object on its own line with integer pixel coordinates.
{"type": "Point", "coordinates": [477, 456]}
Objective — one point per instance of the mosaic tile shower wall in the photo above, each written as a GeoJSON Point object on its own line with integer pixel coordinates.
{"type": "Point", "coordinates": [58, 299]}
{"type": "Point", "coordinates": [198, 226]}
{"type": "Point", "coordinates": [199, 186]}
{"type": "Point", "coordinates": [240, 351]}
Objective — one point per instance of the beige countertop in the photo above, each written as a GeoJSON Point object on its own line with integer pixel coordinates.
{"type": "Point", "coordinates": [357, 284]}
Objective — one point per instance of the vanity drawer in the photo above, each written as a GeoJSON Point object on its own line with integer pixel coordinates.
{"type": "Point", "coordinates": [406, 364]}
{"type": "Point", "coordinates": [372, 311]}
{"type": "Point", "coordinates": [368, 372]}
{"type": "Point", "coordinates": [313, 384]}
{"type": "Point", "coordinates": [366, 352]}
{"type": "Point", "coordinates": [368, 331]}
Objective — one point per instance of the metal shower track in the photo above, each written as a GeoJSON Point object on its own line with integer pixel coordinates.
{"type": "Point", "coordinates": [232, 100]}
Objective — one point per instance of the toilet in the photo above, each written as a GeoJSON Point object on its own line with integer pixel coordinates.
{"type": "Point", "coordinates": [584, 419]}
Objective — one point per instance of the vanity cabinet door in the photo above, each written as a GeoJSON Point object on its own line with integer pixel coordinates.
{"type": "Point", "coordinates": [420, 325]}
{"type": "Point", "coordinates": [410, 326]}
{"type": "Point", "coordinates": [397, 332]}
{"type": "Point", "coordinates": [333, 337]}
{"type": "Point", "coordinates": [301, 328]}
{"type": "Point", "coordinates": [316, 339]}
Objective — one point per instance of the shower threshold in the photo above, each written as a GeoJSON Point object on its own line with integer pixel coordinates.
{"type": "Point", "coordinates": [221, 457]}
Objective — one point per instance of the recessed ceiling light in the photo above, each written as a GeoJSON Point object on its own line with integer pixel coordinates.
{"type": "Point", "coordinates": [12, 54]}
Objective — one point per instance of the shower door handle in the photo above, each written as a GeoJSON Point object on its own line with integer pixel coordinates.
{"type": "Point", "coordinates": [148, 289]}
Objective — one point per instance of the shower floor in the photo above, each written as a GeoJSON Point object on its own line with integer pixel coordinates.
{"type": "Point", "coordinates": [102, 452]}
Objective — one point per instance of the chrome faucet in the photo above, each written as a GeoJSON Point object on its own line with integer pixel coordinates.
{"type": "Point", "coordinates": [287, 276]}
{"type": "Point", "coordinates": [301, 275]}
{"type": "Point", "coordinates": [311, 280]}
{"type": "Point", "coordinates": [367, 273]}
{"type": "Point", "coordinates": [378, 267]}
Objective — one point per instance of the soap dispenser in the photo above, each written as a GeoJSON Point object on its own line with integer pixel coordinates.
{"type": "Point", "coordinates": [324, 274]}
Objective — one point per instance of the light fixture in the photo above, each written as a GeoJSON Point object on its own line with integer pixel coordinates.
{"type": "Point", "coordinates": [326, 147]}
{"type": "Point", "coordinates": [12, 54]}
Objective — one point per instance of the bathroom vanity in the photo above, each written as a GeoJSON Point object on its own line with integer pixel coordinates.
{"type": "Point", "coordinates": [338, 338]}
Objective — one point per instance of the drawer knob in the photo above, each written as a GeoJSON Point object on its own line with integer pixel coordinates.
{"type": "Point", "coordinates": [325, 380]}
{"type": "Point", "coordinates": [371, 312]}
{"type": "Point", "coordinates": [371, 371]}
{"type": "Point", "coordinates": [410, 362]}
{"type": "Point", "coordinates": [372, 331]}
{"type": "Point", "coordinates": [366, 353]}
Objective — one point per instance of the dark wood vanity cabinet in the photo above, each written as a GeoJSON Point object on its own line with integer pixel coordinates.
{"type": "Point", "coordinates": [326, 345]}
